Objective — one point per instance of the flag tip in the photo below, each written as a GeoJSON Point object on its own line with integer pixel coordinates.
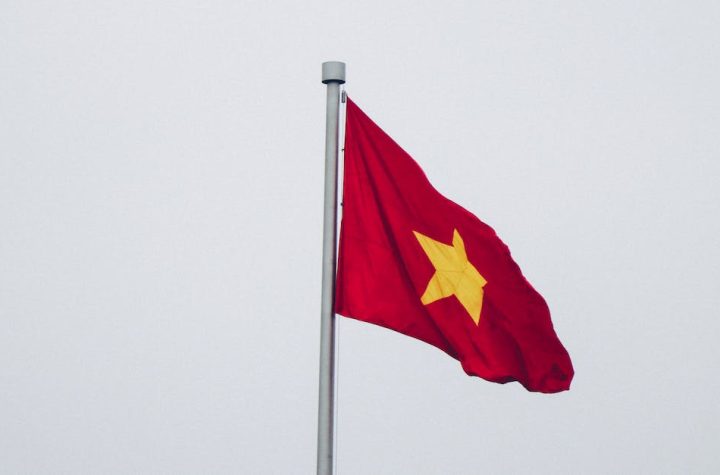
{"type": "Point", "coordinates": [333, 71]}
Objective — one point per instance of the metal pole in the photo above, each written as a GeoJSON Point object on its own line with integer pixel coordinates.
{"type": "Point", "coordinates": [333, 74]}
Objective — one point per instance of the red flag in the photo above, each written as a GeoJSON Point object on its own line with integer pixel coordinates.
{"type": "Point", "coordinates": [413, 261]}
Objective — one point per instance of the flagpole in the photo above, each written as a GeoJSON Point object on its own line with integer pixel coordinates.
{"type": "Point", "coordinates": [333, 75]}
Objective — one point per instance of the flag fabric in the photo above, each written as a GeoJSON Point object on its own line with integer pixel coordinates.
{"type": "Point", "coordinates": [415, 262]}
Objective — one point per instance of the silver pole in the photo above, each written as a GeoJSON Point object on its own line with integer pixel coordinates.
{"type": "Point", "coordinates": [333, 74]}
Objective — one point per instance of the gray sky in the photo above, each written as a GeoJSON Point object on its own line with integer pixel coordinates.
{"type": "Point", "coordinates": [161, 168]}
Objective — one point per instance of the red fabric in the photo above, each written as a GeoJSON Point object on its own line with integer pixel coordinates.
{"type": "Point", "coordinates": [383, 271]}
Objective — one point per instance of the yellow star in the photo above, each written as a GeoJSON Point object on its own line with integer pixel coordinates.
{"type": "Point", "coordinates": [454, 275]}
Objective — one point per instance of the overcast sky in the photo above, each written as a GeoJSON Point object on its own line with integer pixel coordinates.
{"type": "Point", "coordinates": [161, 173]}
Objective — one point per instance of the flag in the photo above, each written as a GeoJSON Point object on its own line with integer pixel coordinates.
{"type": "Point", "coordinates": [415, 262]}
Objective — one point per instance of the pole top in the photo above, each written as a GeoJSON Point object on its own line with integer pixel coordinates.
{"type": "Point", "coordinates": [333, 71]}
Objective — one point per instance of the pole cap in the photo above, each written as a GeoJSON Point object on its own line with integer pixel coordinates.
{"type": "Point", "coordinates": [333, 71]}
